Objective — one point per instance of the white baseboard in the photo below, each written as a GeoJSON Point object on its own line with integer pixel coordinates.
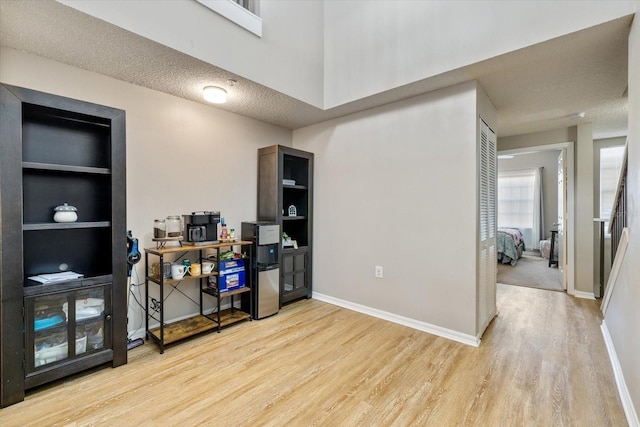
{"type": "Point", "coordinates": [401, 320]}
{"type": "Point", "coordinates": [486, 325]}
{"type": "Point", "coordinates": [584, 295]}
{"type": "Point", "coordinates": [623, 391]}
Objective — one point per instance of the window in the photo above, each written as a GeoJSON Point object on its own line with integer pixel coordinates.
{"type": "Point", "coordinates": [610, 164]}
{"type": "Point", "coordinates": [519, 204]}
{"type": "Point", "coordinates": [515, 199]}
{"type": "Point", "coordinates": [251, 5]}
{"type": "Point", "coordinates": [242, 12]}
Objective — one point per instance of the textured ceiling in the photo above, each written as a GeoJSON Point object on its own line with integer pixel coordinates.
{"type": "Point", "coordinates": [534, 89]}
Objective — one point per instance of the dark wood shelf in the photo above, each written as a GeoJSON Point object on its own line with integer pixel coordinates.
{"type": "Point", "coordinates": [64, 325]}
{"type": "Point", "coordinates": [291, 249]}
{"type": "Point", "coordinates": [293, 218]}
{"type": "Point", "coordinates": [65, 168]}
{"type": "Point", "coordinates": [32, 288]}
{"type": "Point", "coordinates": [65, 225]}
{"type": "Point", "coordinates": [90, 320]}
{"type": "Point", "coordinates": [295, 187]}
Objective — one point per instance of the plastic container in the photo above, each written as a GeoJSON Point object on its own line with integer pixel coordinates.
{"type": "Point", "coordinates": [223, 230]}
{"type": "Point", "coordinates": [86, 308]}
{"type": "Point", "coordinates": [58, 352]}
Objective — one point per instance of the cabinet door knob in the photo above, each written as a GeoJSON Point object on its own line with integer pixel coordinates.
{"type": "Point", "coordinates": [108, 317]}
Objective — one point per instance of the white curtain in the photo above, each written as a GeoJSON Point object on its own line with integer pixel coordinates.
{"type": "Point", "coordinates": [520, 204]}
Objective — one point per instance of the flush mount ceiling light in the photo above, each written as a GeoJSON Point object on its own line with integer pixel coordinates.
{"type": "Point", "coordinates": [215, 94]}
{"type": "Point", "coordinates": [577, 116]}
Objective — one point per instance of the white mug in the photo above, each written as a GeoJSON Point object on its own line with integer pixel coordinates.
{"type": "Point", "coordinates": [207, 267]}
{"type": "Point", "coordinates": [178, 271]}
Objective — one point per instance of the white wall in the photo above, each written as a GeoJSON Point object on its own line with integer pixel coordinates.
{"type": "Point", "coordinates": [585, 212]}
{"type": "Point", "coordinates": [373, 46]}
{"type": "Point", "coordinates": [395, 186]}
{"type": "Point", "coordinates": [288, 57]}
{"type": "Point", "coordinates": [327, 53]}
{"type": "Point", "coordinates": [623, 316]}
{"type": "Point", "coordinates": [182, 156]}
{"type": "Point", "coordinates": [555, 136]}
{"type": "Point", "coordinates": [549, 161]}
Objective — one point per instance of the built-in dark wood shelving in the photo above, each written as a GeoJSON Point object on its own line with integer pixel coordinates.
{"type": "Point", "coordinates": [277, 165]}
{"type": "Point", "coordinates": [65, 168]}
{"type": "Point", "coordinates": [65, 225]}
{"type": "Point", "coordinates": [295, 187]}
{"type": "Point", "coordinates": [56, 150]}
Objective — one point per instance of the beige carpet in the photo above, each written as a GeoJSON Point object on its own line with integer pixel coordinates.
{"type": "Point", "coordinates": [531, 271]}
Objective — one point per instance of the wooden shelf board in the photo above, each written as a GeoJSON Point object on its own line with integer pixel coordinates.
{"type": "Point", "coordinates": [66, 168]}
{"type": "Point", "coordinates": [229, 317]}
{"type": "Point", "coordinates": [184, 328]}
{"type": "Point", "coordinates": [171, 250]}
{"type": "Point", "coordinates": [65, 225]}
{"type": "Point", "coordinates": [226, 294]}
{"type": "Point", "coordinates": [156, 279]}
{"type": "Point", "coordinates": [291, 249]}
{"type": "Point", "coordinates": [293, 218]}
{"type": "Point", "coordinates": [32, 287]}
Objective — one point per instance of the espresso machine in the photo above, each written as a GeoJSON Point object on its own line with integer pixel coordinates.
{"type": "Point", "coordinates": [265, 267]}
{"type": "Point", "coordinates": [201, 228]}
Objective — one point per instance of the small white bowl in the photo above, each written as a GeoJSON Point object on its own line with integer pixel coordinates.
{"type": "Point", "coordinates": [65, 213]}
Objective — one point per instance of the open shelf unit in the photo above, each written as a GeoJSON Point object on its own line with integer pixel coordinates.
{"type": "Point", "coordinates": [166, 333]}
{"type": "Point", "coordinates": [56, 150]}
{"type": "Point", "coordinates": [285, 179]}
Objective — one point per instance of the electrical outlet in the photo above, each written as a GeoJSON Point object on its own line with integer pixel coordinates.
{"type": "Point", "coordinates": [379, 271]}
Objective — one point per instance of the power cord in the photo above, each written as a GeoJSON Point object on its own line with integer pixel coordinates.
{"type": "Point", "coordinates": [137, 298]}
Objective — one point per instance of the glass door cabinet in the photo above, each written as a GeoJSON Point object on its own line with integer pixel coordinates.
{"type": "Point", "coordinates": [64, 325]}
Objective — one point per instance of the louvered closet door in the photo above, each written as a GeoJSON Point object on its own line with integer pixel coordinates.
{"type": "Point", "coordinates": [487, 228]}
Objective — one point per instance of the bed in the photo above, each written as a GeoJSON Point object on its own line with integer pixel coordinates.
{"type": "Point", "coordinates": [510, 245]}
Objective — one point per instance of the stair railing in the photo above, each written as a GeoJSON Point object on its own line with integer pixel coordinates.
{"type": "Point", "coordinates": [619, 212]}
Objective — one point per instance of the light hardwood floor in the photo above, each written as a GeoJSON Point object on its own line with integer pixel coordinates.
{"type": "Point", "coordinates": [542, 362]}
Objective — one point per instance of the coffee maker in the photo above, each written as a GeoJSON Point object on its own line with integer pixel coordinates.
{"type": "Point", "coordinates": [201, 228]}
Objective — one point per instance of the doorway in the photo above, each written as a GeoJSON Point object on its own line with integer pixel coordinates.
{"type": "Point", "coordinates": [560, 220]}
